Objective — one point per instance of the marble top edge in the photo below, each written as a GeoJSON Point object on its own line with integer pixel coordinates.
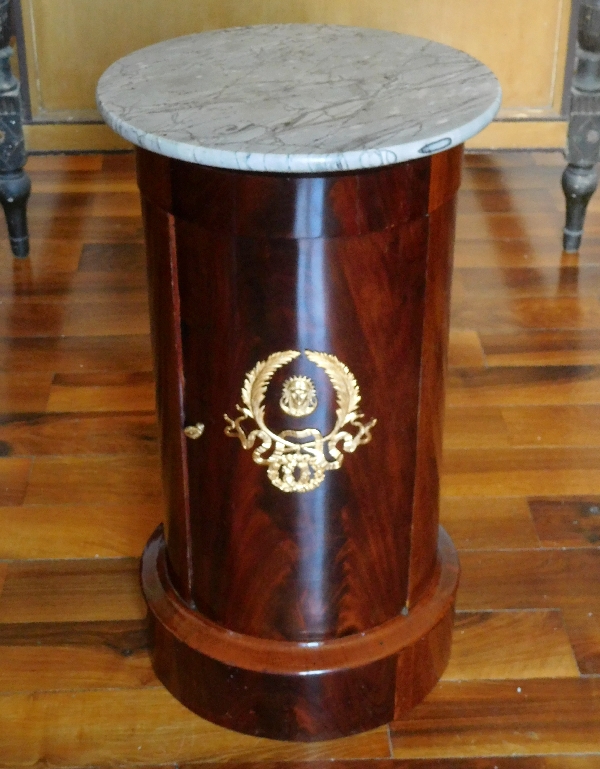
{"type": "Point", "coordinates": [356, 98]}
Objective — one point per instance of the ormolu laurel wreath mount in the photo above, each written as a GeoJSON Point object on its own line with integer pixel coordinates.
{"type": "Point", "coordinates": [298, 459]}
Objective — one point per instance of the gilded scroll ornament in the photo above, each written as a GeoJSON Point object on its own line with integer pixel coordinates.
{"type": "Point", "coordinates": [297, 460]}
{"type": "Point", "coordinates": [194, 431]}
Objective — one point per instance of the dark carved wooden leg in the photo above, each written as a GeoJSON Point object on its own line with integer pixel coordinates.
{"type": "Point", "coordinates": [15, 185]}
{"type": "Point", "coordinates": [579, 179]}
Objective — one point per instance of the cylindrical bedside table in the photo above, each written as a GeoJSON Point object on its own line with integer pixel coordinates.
{"type": "Point", "coordinates": [298, 187]}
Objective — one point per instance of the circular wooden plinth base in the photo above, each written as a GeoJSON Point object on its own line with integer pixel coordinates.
{"type": "Point", "coordinates": [299, 691]}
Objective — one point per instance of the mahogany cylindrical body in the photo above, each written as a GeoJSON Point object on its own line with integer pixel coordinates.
{"type": "Point", "coordinates": [351, 265]}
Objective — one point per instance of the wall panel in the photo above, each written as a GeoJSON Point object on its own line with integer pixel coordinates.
{"type": "Point", "coordinates": [70, 42]}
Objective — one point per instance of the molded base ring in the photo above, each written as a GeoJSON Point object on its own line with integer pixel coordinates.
{"type": "Point", "coordinates": [298, 691]}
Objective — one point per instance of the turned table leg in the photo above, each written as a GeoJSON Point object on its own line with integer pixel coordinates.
{"type": "Point", "coordinates": [15, 185]}
{"type": "Point", "coordinates": [580, 179]}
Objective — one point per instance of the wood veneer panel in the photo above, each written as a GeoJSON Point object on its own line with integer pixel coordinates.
{"type": "Point", "coordinates": [142, 726]}
{"type": "Point", "coordinates": [436, 321]}
{"type": "Point", "coordinates": [74, 591]}
{"type": "Point", "coordinates": [446, 172]}
{"type": "Point", "coordinates": [374, 375]}
{"type": "Point", "coordinates": [498, 645]}
{"type": "Point", "coordinates": [77, 531]}
{"type": "Point", "coordinates": [367, 272]}
{"type": "Point", "coordinates": [528, 717]}
{"type": "Point", "coordinates": [168, 369]}
{"type": "Point", "coordinates": [259, 205]}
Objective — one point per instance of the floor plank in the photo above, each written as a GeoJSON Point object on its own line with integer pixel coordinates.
{"type": "Point", "coordinates": [127, 478]}
{"type": "Point", "coordinates": [489, 523]}
{"type": "Point", "coordinates": [46, 531]}
{"type": "Point", "coordinates": [14, 477]}
{"type": "Point", "coordinates": [102, 391]}
{"type": "Point", "coordinates": [75, 354]}
{"type": "Point", "coordinates": [524, 386]}
{"type": "Point", "coordinates": [502, 718]}
{"type": "Point", "coordinates": [142, 726]}
{"type": "Point", "coordinates": [117, 432]}
{"type": "Point", "coordinates": [497, 645]}
{"type": "Point", "coordinates": [566, 522]}
{"type": "Point", "coordinates": [519, 471]}
{"type": "Point", "coordinates": [72, 591]}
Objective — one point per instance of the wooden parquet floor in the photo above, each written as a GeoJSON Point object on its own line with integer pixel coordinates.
{"type": "Point", "coordinates": [79, 492]}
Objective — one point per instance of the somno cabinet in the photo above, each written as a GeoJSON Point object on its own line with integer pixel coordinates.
{"type": "Point", "coordinates": [301, 587]}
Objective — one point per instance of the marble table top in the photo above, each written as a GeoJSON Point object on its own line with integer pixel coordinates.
{"type": "Point", "coordinates": [297, 98]}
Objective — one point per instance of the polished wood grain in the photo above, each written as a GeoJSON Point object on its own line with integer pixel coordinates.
{"type": "Point", "coordinates": [517, 762]}
{"type": "Point", "coordinates": [503, 718]}
{"type": "Point", "coordinates": [245, 267]}
{"type": "Point", "coordinates": [567, 522]}
{"type": "Point", "coordinates": [76, 687]}
{"type": "Point", "coordinates": [168, 367]}
{"type": "Point", "coordinates": [71, 590]}
{"type": "Point", "coordinates": [96, 530]}
{"type": "Point", "coordinates": [14, 475]}
{"type": "Point", "coordinates": [489, 524]}
{"type": "Point", "coordinates": [495, 645]}
{"type": "Point", "coordinates": [101, 391]}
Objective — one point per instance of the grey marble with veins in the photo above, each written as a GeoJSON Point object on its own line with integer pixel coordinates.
{"type": "Point", "coordinates": [297, 98]}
